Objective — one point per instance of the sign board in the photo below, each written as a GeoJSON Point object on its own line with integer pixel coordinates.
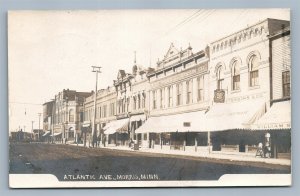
{"type": "Point", "coordinates": [219, 96]}
{"type": "Point", "coordinates": [186, 124]}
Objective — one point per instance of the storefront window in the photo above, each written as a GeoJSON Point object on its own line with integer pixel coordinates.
{"type": "Point", "coordinates": [235, 76]}
{"type": "Point", "coordinates": [286, 84]}
{"type": "Point", "coordinates": [254, 74]}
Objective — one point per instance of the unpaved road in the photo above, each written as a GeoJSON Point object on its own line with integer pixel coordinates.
{"type": "Point", "coordinates": [67, 162]}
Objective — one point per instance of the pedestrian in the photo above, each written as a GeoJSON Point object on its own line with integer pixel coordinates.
{"type": "Point", "coordinates": [104, 141]}
{"type": "Point", "coordinates": [260, 151]}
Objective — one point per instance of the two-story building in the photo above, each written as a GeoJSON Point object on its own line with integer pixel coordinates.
{"type": "Point", "coordinates": [240, 84]}
{"type": "Point", "coordinates": [131, 105]}
{"type": "Point", "coordinates": [106, 107]}
{"type": "Point", "coordinates": [178, 101]}
{"type": "Point", "coordinates": [48, 109]}
{"type": "Point", "coordinates": [277, 120]}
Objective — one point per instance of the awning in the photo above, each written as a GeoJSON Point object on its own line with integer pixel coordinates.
{"type": "Point", "coordinates": [141, 117]}
{"type": "Point", "coordinates": [229, 116]}
{"type": "Point", "coordinates": [277, 117]}
{"type": "Point", "coordinates": [56, 134]}
{"type": "Point", "coordinates": [185, 122]}
{"type": "Point", "coordinates": [46, 133]}
{"type": "Point", "coordinates": [120, 126]}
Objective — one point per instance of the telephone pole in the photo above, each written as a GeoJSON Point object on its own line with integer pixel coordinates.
{"type": "Point", "coordinates": [39, 126]}
{"type": "Point", "coordinates": [96, 70]}
{"type": "Point", "coordinates": [32, 134]}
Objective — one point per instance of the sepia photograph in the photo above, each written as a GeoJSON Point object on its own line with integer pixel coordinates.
{"type": "Point", "coordinates": [149, 98]}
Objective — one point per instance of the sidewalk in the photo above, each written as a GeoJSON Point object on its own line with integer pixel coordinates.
{"type": "Point", "coordinates": [212, 155]}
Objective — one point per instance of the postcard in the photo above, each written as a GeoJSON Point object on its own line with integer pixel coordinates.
{"type": "Point", "coordinates": [149, 98]}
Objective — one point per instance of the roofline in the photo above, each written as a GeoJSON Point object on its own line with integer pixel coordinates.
{"type": "Point", "coordinates": [267, 19]}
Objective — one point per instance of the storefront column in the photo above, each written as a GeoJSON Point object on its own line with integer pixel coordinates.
{"type": "Point", "coordinates": [160, 140]}
{"type": "Point", "coordinates": [208, 141]}
{"type": "Point", "coordinates": [196, 143]}
{"type": "Point", "coordinates": [116, 138]}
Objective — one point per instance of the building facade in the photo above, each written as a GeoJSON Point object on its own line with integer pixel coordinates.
{"type": "Point", "coordinates": [48, 111]}
{"type": "Point", "coordinates": [241, 85]}
{"type": "Point", "coordinates": [178, 99]}
{"type": "Point", "coordinates": [68, 111]}
{"type": "Point", "coordinates": [105, 112]}
{"type": "Point", "coordinates": [217, 99]}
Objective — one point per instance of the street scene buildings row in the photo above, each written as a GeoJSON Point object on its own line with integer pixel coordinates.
{"type": "Point", "coordinates": [230, 96]}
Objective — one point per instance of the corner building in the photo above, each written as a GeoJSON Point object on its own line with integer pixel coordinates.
{"type": "Point", "coordinates": [241, 84]}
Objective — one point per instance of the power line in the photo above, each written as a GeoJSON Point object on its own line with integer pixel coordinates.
{"type": "Point", "coordinates": [24, 103]}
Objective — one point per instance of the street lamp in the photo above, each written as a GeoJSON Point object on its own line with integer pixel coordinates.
{"type": "Point", "coordinates": [96, 70]}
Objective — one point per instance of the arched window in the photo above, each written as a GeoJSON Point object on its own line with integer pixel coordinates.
{"type": "Point", "coordinates": [71, 115]}
{"type": "Point", "coordinates": [254, 74]}
{"type": "Point", "coordinates": [235, 75]}
{"type": "Point", "coordinates": [220, 78]}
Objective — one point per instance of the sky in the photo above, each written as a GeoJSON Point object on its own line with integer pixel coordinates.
{"type": "Point", "coordinates": [49, 51]}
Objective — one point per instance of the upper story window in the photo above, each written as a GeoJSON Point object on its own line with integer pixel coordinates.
{"type": "Point", "coordinates": [139, 101]}
{"type": "Point", "coordinates": [154, 99]}
{"type": "Point", "coordinates": [143, 100]}
{"type": "Point", "coordinates": [235, 75]}
{"type": "Point", "coordinates": [134, 103]}
{"type": "Point", "coordinates": [162, 97]}
{"type": "Point", "coordinates": [254, 73]}
{"type": "Point", "coordinates": [286, 84]}
{"type": "Point", "coordinates": [200, 88]}
{"type": "Point", "coordinates": [220, 79]}
{"type": "Point", "coordinates": [189, 89]}
{"type": "Point", "coordinates": [71, 115]}
{"type": "Point", "coordinates": [179, 94]}
{"type": "Point", "coordinates": [127, 104]}
{"type": "Point", "coordinates": [170, 96]}
{"type": "Point", "coordinates": [104, 111]}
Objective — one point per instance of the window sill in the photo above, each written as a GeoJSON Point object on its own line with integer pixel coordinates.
{"type": "Point", "coordinates": [235, 91]}
{"type": "Point", "coordinates": [254, 87]}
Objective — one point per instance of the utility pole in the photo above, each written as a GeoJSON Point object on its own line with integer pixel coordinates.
{"type": "Point", "coordinates": [39, 125]}
{"type": "Point", "coordinates": [32, 134]}
{"type": "Point", "coordinates": [52, 118]}
{"type": "Point", "coordinates": [96, 70]}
